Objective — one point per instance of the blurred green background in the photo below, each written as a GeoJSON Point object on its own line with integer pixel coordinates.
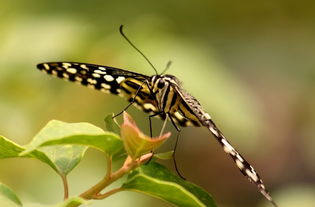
{"type": "Point", "coordinates": [251, 64]}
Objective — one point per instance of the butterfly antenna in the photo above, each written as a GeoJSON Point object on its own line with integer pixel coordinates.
{"type": "Point", "coordinates": [168, 65]}
{"type": "Point", "coordinates": [127, 39]}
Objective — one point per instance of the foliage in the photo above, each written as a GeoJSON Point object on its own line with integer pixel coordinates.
{"type": "Point", "coordinates": [62, 146]}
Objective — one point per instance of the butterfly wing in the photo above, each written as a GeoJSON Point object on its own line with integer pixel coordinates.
{"type": "Point", "coordinates": [106, 79]}
{"type": "Point", "coordinates": [194, 113]}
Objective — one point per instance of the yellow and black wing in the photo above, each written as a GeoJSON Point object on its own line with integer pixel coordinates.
{"type": "Point", "coordinates": [106, 79]}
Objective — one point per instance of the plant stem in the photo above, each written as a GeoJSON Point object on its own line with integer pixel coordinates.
{"type": "Point", "coordinates": [109, 193]}
{"type": "Point", "coordinates": [65, 186]}
{"type": "Point", "coordinates": [128, 165]}
{"type": "Point", "coordinates": [109, 167]}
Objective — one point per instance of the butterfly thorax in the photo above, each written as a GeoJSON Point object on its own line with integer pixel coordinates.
{"type": "Point", "coordinates": [177, 103]}
{"type": "Point", "coordinates": [163, 88]}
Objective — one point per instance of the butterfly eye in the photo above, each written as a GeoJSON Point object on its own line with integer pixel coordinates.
{"type": "Point", "coordinates": [161, 84]}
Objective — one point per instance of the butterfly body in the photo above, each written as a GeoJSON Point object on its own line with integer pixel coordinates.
{"type": "Point", "coordinates": [152, 94]}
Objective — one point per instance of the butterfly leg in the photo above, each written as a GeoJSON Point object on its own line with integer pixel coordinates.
{"type": "Point", "coordinates": [156, 103]}
{"type": "Point", "coordinates": [132, 100]}
{"type": "Point", "coordinates": [175, 147]}
{"type": "Point", "coordinates": [150, 121]}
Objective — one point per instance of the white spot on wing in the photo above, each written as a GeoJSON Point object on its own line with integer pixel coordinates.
{"type": "Point", "coordinates": [84, 67]}
{"type": "Point", "coordinates": [91, 81]}
{"type": "Point", "coordinates": [100, 72]}
{"type": "Point", "coordinates": [207, 116]}
{"type": "Point", "coordinates": [178, 115]}
{"type": "Point", "coordinates": [72, 70]}
{"type": "Point", "coordinates": [66, 65]}
{"type": "Point", "coordinates": [240, 158]}
{"type": "Point", "coordinates": [108, 78]}
{"type": "Point", "coordinates": [106, 86]}
{"type": "Point", "coordinates": [214, 131]}
{"type": "Point", "coordinates": [239, 164]}
{"type": "Point", "coordinates": [65, 75]}
{"type": "Point", "coordinates": [148, 106]}
{"type": "Point", "coordinates": [119, 79]}
{"type": "Point", "coordinates": [252, 175]}
{"type": "Point", "coordinates": [46, 66]}
{"type": "Point", "coordinates": [96, 75]}
{"type": "Point", "coordinates": [77, 78]}
{"type": "Point", "coordinates": [227, 147]}
{"type": "Point", "coordinates": [104, 90]}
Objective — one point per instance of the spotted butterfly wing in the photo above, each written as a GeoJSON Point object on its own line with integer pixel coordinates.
{"type": "Point", "coordinates": [106, 79]}
{"type": "Point", "coordinates": [194, 112]}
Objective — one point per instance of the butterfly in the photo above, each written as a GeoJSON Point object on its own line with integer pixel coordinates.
{"type": "Point", "coordinates": [159, 95]}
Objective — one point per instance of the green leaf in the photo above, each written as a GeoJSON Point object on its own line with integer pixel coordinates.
{"type": "Point", "coordinates": [60, 133]}
{"type": "Point", "coordinates": [8, 198]}
{"type": "Point", "coordinates": [69, 137]}
{"type": "Point", "coordinates": [65, 157]}
{"type": "Point", "coordinates": [42, 157]}
{"type": "Point", "coordinates": [111, 124]}
{"type": "Point", "coordinates": [164, 155]}
{"type": "Point", "coordinates": [157, 181]}
{"type": "Point", "coordinates": [9, 149]}
{"type": "Point", "coordinates": [72, 202]}
{"type": "Point", "coordinates": [61, 158]}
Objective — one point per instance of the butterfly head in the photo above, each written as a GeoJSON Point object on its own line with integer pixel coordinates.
{"type": "Point", "coordinates": [160, 82]}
